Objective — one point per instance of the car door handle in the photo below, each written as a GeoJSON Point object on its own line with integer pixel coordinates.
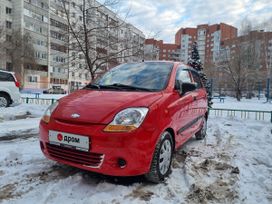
{"type": "Point", "coordinates": [194, 97]}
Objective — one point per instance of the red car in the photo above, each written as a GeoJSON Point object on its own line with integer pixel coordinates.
{"type": "Point", "coordinates": [129, 122]}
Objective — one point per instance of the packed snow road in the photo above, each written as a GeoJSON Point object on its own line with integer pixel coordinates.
{"type": "Point", "coordinates": [232, 165]}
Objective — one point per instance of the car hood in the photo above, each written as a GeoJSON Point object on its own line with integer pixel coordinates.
{"type": "Point", "coordinates": [100, 107]}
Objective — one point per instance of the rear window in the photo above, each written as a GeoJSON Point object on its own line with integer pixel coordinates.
{"type": "Point", "coordinates": [6, 77]}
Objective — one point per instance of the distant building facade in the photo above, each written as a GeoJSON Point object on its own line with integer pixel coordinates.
{"type": "Point", "coordinates": [158, 50]}
{"type": "Point", "coordinates": [256, 57]}
{"type": "Point", "coordinates": [208, 38]}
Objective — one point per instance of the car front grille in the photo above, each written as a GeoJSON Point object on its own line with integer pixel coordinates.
{"type": "Point", "coordinates": [88, 159]}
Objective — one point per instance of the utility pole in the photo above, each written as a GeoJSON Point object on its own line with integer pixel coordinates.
{"type": "Point", "coordinates": [68, 51]}
{"type": "Point", "coordinates": [48, 46]}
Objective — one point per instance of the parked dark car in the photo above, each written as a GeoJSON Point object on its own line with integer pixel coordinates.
{"type": "Point", "coordinates": [55, 90]}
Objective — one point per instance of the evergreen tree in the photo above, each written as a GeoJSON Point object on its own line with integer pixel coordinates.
{"type": "Point", "coordinates": [195, 62]}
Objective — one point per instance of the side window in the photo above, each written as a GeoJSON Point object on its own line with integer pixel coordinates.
{"type": "Point", "coordinates": [6, 77]}
{"type": "Point", "coordinates": [197, 79]}
{"type": "Point", "coordinates": [183, 75]}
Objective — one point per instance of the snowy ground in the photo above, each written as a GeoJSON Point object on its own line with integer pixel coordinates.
{"type": "Point", "coordinates": [232, 165]}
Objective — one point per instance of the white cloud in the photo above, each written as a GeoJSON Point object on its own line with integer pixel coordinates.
{"type": "Point", "coordinates": [167, 16]}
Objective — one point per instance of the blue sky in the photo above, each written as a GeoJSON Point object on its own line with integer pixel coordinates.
{"type": "Point", "coordinates": [162, 18]}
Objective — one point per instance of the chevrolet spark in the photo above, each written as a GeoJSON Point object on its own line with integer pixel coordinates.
{"type": "Point", "coordinates": [129, 121]}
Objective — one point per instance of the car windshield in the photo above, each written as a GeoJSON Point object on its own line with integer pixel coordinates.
{"type": "Point", "coordinates": [146, 76]}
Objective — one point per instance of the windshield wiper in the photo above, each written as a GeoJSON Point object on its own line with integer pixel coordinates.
{"type": "Point", "coordinates": [124, 86]}
{"type": "Point", "coordinates": [96, 86]}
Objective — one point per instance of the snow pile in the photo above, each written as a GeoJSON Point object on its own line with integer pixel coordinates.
{"type": "Point", "coordinates": [22, 120]}
{"type": "Point", "coordinates": [232, 165]}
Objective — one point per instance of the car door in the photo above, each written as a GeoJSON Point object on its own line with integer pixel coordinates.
{"type": "Point", "coordinates": [7, 82]}
{"type": "Point", "coordinates": [183, 105]}
{"type": "Point", "coordinates": [199, 101]}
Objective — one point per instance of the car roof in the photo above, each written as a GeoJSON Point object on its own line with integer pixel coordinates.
{"type": "Point", "coordinates": [1, 70]}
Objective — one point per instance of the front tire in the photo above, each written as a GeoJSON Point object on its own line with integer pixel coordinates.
{"type": "Point", "coordinates": [4, 101]}
{"type": "Point", "coordinates": [162, 159]}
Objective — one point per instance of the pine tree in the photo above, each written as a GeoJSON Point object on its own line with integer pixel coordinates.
{"type": "Point", "coordinates": [195, 62]}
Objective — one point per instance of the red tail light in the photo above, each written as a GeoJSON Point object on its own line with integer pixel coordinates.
{"type": "Point", "coordinates": [17, 84]}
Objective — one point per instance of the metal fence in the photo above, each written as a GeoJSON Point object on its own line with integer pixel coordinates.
{"type": "Point", "coordinates": [220, 112]}
{"type": "Point", "coordinates": [243, 114]}
{"type": "Point", "coordinates": [38, 101]}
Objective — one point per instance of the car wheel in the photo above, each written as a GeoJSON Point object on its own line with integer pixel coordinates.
{"type": "Point", "coordinates": [4, 100]}
{"type": "Point", "coordinates": [201, 134]}
{"type": "Point", "coordinates": [162, 159]}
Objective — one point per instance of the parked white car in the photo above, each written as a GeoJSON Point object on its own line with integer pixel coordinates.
{"type": "Point", "coordinates": [9, 89]}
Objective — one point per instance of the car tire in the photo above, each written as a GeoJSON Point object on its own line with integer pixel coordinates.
{"type": "Point", "coordinates": [201, 134]}
{"type": "Point", "coordinates": [4, 100]}
{"type": "Point", "coordinates": [162, 159]}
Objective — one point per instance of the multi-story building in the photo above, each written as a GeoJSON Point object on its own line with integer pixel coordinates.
{"type": "Point", "coordinates": [208, 38]}
{"type": "Point", "coordinates": [253, 53]}
{"type": "Point", "coordinates": [158, 50]}
{"type": "Point", "coordinates": [33, 17]}
{"type": "Point", "coordinates": [57, 63]}
{"type": "Point", "coordinates": [152, 49]}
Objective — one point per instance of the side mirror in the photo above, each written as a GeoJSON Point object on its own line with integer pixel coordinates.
{"type": "Point", "coordinates": [187, 87]}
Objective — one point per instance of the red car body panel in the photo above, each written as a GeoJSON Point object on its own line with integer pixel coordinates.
{"type": "Point", "coordinates": [97, 108]}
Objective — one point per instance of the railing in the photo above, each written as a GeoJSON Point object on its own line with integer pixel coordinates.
{"type": "Point", "coordinates": [38, 101]}
{"type": "Point", "coordinates": [243, 114]}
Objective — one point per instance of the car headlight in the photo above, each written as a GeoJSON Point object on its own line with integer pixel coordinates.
{"type": "Point", "coordinates": [127, 120]}
{"type": "Point", "coordinates": [49, 111]}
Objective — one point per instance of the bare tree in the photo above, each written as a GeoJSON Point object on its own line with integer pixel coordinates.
{"type": "Point", "coordinates": [18, 51]}
{"type": "Point", "coordinates": [241, 64]}
{"type": "Point", "coordinates": [95, 36]}
{"type": "Point", "coordinates": [246, 26]}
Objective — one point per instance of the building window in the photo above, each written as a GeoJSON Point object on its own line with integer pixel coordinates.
{"type": "Point", "coordinates": [32, 79]}
{"type": "Point", "coordinates": [8, 10]}
{"type": "Point", "coordinates": [8, 24]}
{"type": "Point", "coordinates": [8, 38]}
{"type": "Point", "coordinates": [73, 4]}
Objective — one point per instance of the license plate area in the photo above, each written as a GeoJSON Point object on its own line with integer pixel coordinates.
{"type": "Point", "coordinates": [79, 142]}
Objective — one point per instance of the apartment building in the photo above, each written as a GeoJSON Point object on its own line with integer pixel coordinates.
{"type": "Point", "coordinates": [33, 17]}
{"type": "Point", "coordinates": [208, 38]}
{"type": "Point", "coordinates": [254, 51]}
{"type": "Point", "coordinates": [158, 50]}
{"type": "Point", "coordinates": [57, 64]}
{"type": "Point", "coordinates": [152, 49]}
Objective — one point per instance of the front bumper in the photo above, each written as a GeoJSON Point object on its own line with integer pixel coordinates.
{"type": "Point", "coordinates": [135, 148]}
